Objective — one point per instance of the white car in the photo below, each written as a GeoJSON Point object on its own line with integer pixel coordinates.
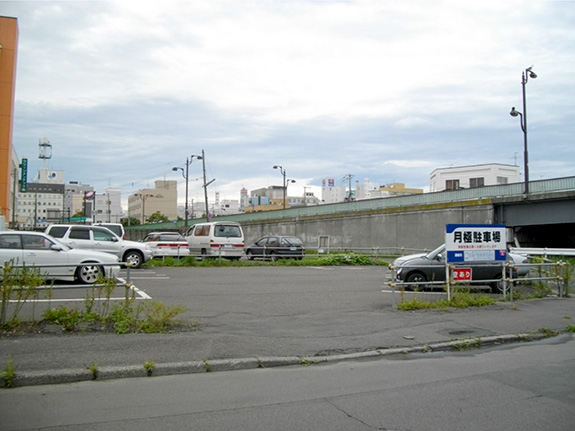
{"type": "Point", "coordinates": [101, 239]}
{"type": "Point", "coordinates": [165, 244]}
{"type": "Point", "coordinates": [39, 250]}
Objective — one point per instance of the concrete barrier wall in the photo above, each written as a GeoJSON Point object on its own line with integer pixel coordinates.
{"type": "Point", "coordinates": [414, 229]}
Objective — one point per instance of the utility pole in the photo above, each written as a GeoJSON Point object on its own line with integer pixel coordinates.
{"type": "Point", "coordinates": [349, 177]}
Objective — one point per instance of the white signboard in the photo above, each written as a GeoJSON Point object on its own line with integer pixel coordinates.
{"type": "Point", "coordinates": [475, 242]}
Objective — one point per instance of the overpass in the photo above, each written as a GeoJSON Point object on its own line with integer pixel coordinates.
{"type": "Point", "coordinates": [543, 218]}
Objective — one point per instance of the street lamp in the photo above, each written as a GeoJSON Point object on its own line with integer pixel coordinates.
{"type": "Point", "coordinates": [186, 175]}
{"type": "Point", "coordinates": [206, 184]}
{"type": "Point", "coordinates": [525, 75]}
{"type": "Point", "coordinates": [283, 172]}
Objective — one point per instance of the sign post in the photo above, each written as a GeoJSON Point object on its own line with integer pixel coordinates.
{"type": "Point", "coordinates": [466, 243]}
{"type": "Point", "coordinates": [24, 175]}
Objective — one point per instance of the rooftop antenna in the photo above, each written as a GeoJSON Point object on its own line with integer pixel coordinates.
{"type": "Point", "coordinates": [45, 149]}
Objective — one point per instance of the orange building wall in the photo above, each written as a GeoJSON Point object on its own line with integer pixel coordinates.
{"type": "Point", "coordinates": [8, 54]}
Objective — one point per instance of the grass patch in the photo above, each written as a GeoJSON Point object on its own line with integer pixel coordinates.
{"type": "Point", "coordinates": [332, 259]}
{"type": "Point", "coordinates": [458, 300]}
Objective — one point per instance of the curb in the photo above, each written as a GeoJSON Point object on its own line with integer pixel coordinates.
{"type": "Point", "coordinates": [50, 377]}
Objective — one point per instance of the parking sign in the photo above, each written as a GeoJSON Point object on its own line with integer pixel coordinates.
{"type": "Point", "coordinates": [475, 243]}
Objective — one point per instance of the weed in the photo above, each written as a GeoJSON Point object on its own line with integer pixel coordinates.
{"type": "Point", "coordinates": [17, 286]}
{"type": "Point", "coordinates": [470, 343]}
{"type": "Point", "coordinates": [571, 328]}
{"type": "Point", "coordinates": [149, 367]}
{"type": "Point", "coordinates": [462, 299]}
{"type": "Point", "coordinates": [207, 365]}
{"type": "Point", "coordinates": [93, 368]}
{"type": "Point", "coordinates": [9, 373]}
{"type": "Point", "coordinates": [548, 332]}
{"type": "Point", "coordinates": [68, 318]}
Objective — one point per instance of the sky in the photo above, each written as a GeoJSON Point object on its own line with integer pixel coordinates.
{"type": "Point", "coordinates": [385, 90]}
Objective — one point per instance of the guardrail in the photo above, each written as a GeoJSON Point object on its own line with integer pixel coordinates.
{"type": "Point", "coordinates": [508, 270]}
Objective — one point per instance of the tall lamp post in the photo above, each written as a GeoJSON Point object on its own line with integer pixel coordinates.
{"type": "Point", "coordinates": [206, 184]}
{"type": "Point", "coordinates": [283, 172]}
{"type": "Point", "coordinates": [527, 73]}
{"type": "Point", "coordinates": [186, 175]}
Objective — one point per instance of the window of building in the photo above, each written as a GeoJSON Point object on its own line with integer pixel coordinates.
{"type": "Point", "coordinates": [476, 182]}
{"type": "Point", "coordinates": [452, 184]}
{"type": "Point", "coordinates": [502, 180]}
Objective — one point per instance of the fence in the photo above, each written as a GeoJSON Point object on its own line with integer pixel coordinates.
{"type": "Point", "coordinates": [544, 271]}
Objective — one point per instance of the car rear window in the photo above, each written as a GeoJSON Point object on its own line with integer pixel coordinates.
{"type": "Point", "coordinates": [292, 241]}
{"type": "Point", "coordinates": [117, 229]}
{"type": "Point", "coordinates": [228, 231]}
{"type": "Point", "coordinates": [171, 237]}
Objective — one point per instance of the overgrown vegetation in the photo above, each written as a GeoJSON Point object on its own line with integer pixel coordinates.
{"type": "Point", "coordinates": [18, 286]}
{"type": "Point", "coordinates": [460, 299]}
{"type": "Point", "coordinates": [9, 373]}
{"type": "Point", "coordinates": [99, 310]}
{"type": "Point", "coordinates": [332, 259]}
{"type": "Point", "coordinates": [557, 270]}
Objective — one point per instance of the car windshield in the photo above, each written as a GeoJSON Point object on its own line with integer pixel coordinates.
{"type": "Point", "coordinates": [433, 254]}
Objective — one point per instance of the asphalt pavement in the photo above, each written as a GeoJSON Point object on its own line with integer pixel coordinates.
{"type": "Point", "coordinates": [59, 357]}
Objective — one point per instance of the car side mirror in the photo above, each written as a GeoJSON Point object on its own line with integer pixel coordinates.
{"type": "Point", "coordinates": [56, 247]}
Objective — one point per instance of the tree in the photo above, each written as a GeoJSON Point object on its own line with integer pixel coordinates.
{"type": "Point", "coordinates": [132, 221]}
{"type": "Point", "coordinates": [158, 217]}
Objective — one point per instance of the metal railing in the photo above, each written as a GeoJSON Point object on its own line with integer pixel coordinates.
{"type": "Point", "coordinates": [507, 279]}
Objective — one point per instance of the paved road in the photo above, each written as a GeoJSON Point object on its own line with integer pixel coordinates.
{"type": "Point", "coordinates": [257, 312]}
{"type": "Point", "coordinates": [528, 387]}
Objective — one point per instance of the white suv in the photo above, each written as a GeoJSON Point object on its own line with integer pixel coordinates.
{"type": "Point", "coordinates": [101, 239]}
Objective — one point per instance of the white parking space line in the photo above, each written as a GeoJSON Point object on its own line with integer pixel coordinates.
{"type": "Point", "coordinates": [412, 292]}
{"type": "Point", "coordinates": [140, 294]}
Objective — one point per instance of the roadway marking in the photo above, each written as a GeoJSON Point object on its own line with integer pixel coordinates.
{"type": "Point", "coordinates": [407, 292]}
{"type": "Point", "coordinates": [140, 294]}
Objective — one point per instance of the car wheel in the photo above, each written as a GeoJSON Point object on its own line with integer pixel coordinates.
{"type": "Point", "coordinates": [415, 277]}
{"type": "Point", "coordinates": [273, 256]}
{"type": "Point", "coordinates": [498, 286]}
{"type": "Point", "coordinates": [134, 258]}
{"type": "Point", "coordinates": [88, 274]}
{"type": "Point", "coordinates": [249, 255]}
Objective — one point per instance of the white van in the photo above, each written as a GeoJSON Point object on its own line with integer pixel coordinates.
{"type": "Point", "coordinates": [216, 239]}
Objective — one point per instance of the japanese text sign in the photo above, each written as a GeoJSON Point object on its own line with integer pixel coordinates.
{"type": "Point", "coordinates": [475, 243]}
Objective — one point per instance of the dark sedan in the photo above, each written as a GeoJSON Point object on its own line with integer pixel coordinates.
{"type": "Point", "coordinates": [430, 267]}
{"type": "Point", "coordinates": [276, 247]}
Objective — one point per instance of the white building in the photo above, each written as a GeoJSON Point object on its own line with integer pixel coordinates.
{"type": "Point", "coordinates": [43, 201]}
{"type": "Point", "coordinates": [330, 193]}
{"type": "Point", "coordinates": [108, 207]}
{"type": "Point", "coordinates": [466, 177]}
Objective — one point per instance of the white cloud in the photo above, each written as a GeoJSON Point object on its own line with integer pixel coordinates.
{"type": "Point", "coordinates": [384, 90]}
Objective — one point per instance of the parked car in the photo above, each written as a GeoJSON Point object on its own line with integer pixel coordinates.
{"type": "Point", "coordinates": [99, 238]}
{"type": "Point", "coordinates": [117, 228]}
{"type": "Point", "coordinates": [275, 247]}
{"type": "Point", "coordinates": [167, 244]}
{"type": "Point", "coordinates": [216, 239]}
{"type": "Point", "coordinates": [38, 249]}
{"type": "Point", "coordinates": [423, 267]}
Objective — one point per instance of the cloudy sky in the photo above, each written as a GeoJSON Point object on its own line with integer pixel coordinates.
{"type": "Point", "coordinates": [386, 90]}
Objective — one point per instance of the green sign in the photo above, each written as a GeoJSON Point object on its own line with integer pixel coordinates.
{"type": "Point", "coordinates": [77, 218]}
{"type": "Point", "coordinates": [24, 176]}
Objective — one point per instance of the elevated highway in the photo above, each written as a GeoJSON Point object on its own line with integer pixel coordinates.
{"type": "Point", "coordinates": [543, 218]}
